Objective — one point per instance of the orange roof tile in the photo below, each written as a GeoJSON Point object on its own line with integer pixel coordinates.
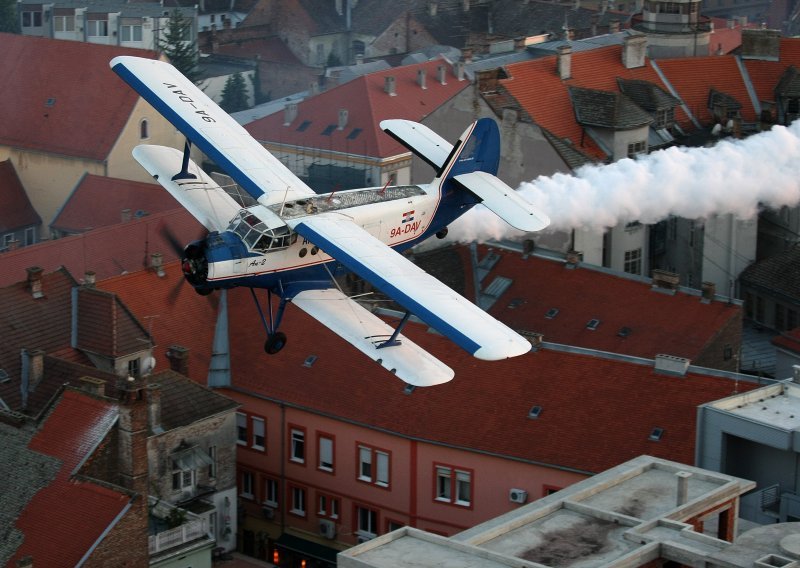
{"type": "Point", "coordinates": [765, 75]}
{"type": "Point", "coordinates": [44, 111]}
{"type": "Point", "coordinates": [71, 432]}
{"type": "Point", "coordinates": [367, 104]}
{"type": "Point", "coordinates": [98, 201]}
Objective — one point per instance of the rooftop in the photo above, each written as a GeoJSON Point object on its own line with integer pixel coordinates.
{"type": "Point", "coordinates": [776, 405]}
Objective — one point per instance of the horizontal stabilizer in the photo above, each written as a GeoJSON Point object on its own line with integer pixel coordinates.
{"type": "Point", "coordinates": [356, 325]}
{"type": "Point", "coordinates": [420, 139]}
{"type": "Point", "coordinates": [504, 201]}
{"type": "Point", "coordinates": [432, 301]}
{"type": "Point", "coordinates": [201, 196]}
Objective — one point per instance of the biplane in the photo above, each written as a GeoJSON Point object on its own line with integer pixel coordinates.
{"type": "Point", "coordinates": [294, 242]}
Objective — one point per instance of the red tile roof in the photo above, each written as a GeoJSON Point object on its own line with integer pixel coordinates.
{"type": "Point", "coordinates": [367, 104]}
{"type": "Point", "coordinates": [70, 434]}
{"type": "Point", "coordinates": [596, 412]}
{"type": "Point", "coordinates": [42, 108]}
{"type": "Point", "coordinates": [173, 314]}
{"type": "Point", "coordinates": [766, 74]}
{"type": "Point", "coordinates": [108, 251]}
{"type": "Point", "coordinates": [725, 39]}
{"type": "Point", "coordinates": [679, 325]}
{"type": "Point", "coordinates": [98, 201]}
{"type": "Point", "coordinates": [535, 84]}
{"type": "Point", "coordinates": [16, 210]}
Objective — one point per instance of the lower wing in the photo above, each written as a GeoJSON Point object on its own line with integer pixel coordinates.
{"type": "Point", "coordinates": [420, 293]}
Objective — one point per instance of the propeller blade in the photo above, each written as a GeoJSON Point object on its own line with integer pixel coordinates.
{"type": "Point", "coordinates": [172, 240]}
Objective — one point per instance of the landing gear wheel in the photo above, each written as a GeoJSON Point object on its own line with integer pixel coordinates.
{"type": "Point", "coordinates": [441, 233]}
{"type": "Point", "coordinates": [275, 342]}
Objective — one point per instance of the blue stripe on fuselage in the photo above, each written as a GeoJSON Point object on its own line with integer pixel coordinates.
{"type": "Point", "coordinates": [409, 302]}
{"type": "Point", "coordinates": [187, 130]}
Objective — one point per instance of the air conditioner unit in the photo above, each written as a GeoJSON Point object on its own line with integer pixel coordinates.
{"type": "Point", "coordinates": [517, 495]}
{"type": "Point", "coordinates": [269, 512]}
{"type": "Point", "coordinates": [327, 528]}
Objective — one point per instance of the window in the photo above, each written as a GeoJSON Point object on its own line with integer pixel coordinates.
{"type": "Point", "coordinates": [144, 132]}
{"type": "Point", "coordinates": [367, 522]}
{"type": "Point", "coordinates": [636, 148]}
{"type": "Point", "coordinates": [665, 118]}
{"type": "Point", "coordinates": [30, 236]}
{"type": "Point", "coordinates": [131, 33]}
{"type": "Point", "coordinates": [64, 23]}
{"type": "Point", "coordinates": [271, 492]}
{"type": "Point", "coordinates": [246, 487]}
{"type": "Point", "coordinates": [97, 28]}
{"type": "Point", "coordinates": [453, 485]}
{"type": "Point", "coordinates": [549, 490]}
{"type": "Point", "coordinates": [182, 479]}
{"type": "Point", "coordinates": [325, 453]}
{"type": "Point", "coordinates": [298, 502]}
{"type": "Point", "coordinates": [212, 467]}
{"type": "Point", "coordinates": [258, 433]}
{"type": "Point", "coordinates": [373, 466]}
{"type": "Point", "coordinates": [327, 506]}
{"type": "Point", "coordinates": [241, 429]}
{"type": "Point", "coordinates": [633, 261]}
{"type": "Point", "coordinates": [393, 526]}
{"type": "Point", "coordinates": [133, 368]}
{"type": "Point", "coordinates": [31, 19]}
{"type": "Point", "coordinates": [297, 445]}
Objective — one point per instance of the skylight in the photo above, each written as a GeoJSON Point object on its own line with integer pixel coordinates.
{"type": "Point", "coordinates": [535, 411]}
{"type": "Point", "coordinates": [303, 125]}
{"type": "Point", "coordinates": [409, 389]}
{"type": "Point", "coordinates": [328, 130]}
{"type": "Point", "coordinates": [624, 331]}
{"type": "Point", "coordinates": [354, 134]}
{"type": "Point", "coordinates": [551, 313]}
{"type": "Point", "coordinates": [656, 434]}
{"type": "Point", "coordinates": [309, 360]}
{"type": "Point", "coordinates": [50, 102]}
{"type": "Point", "coordinates": [592, 324]}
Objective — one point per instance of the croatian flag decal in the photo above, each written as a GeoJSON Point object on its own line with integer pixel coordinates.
{"type": "Point", "coordinates": [408, 216]}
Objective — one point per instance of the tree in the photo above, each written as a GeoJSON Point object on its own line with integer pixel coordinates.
{"type": "Point", "coordinates": [258, 96]}
{"type": "Point", "coordinates": [9, 21]}
{"type": "Point", "coordinates": [179, 45]}
{"type": "Point", "coordinates": [234, 94]}
{"type": "Point", "coordinates": [333, 60]}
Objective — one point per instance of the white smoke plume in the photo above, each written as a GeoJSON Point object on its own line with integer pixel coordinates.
{"type": "Point", "coordinates": [734, 176]}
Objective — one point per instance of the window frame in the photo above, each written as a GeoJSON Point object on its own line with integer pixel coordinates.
{"type": "Point", "coordinates": [272, 491]}
{"type": "Point", "coordinates": [242, 440]}
{"type": "Point", "coordinates": [247, 479]}
{"type": "Point", "coordinates": [262, 447]}
{"type": "Point", "coordinates": [632, 261]}
{"type": "Point", "coordinates": [298, 495]}
{"type": "Point", "coordinates": [293, 445]}
{"type": "Point", "coordinates": [332, 507]}
{"type": "Point", "coordinates": [373, 516]}
{"type": "Point", "coordinates": [451, 492]}
{"type": "Point", "coordinates": [320, 465]}
{"type": "Point", "coordinates": [375, 454]}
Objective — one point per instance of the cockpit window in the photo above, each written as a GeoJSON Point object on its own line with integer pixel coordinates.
{"type": "Point", "coordinates": [258, 237]}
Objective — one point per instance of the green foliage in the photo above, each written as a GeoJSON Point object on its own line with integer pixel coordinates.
{"type": "Point", "coordinates": [258, 96]}
{"type": "Point", "coordinates": [9, 20]}
{"type": "Point", "coordinates": [234, 94]}
{"type": "Point", "coordinates": [175, 518]}
{"type": "Point", "coordinates": [179, 45]}
{"type": "Point", "coordinates": [333, 60]}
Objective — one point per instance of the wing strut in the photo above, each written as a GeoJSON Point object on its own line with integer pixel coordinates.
{"type": "Point", "coordinates": [184, 173]}
{"type": "Point", "coordinates": [392, 341]}
{"type": "Point", "coordinates": [276, 340]}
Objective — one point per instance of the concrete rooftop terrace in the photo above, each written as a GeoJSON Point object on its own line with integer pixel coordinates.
{"type": "Point", "coordinates": [777, 405]}
{"type": "Point", "coordinates": [626, 516]}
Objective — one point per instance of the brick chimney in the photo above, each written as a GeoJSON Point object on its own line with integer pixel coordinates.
{"type": "Point", "coordinates": [664, 280]}
{"type": "Point", "coordinates": [178, 357]}
{"type": "Point", "coordinates": [564, 62]}
{"type": "Point", "coordinates": [32, 372]}
{"type": "Point", "coordinates": [709, 290]}
{"type": "Point", "coordinates": [132, 429]}
{"type": "Point", "coordinates": [421, 78]}
{"type": "Point", "coordinates": [35, 282]}
{"type": "Point", "coordinates": [634, 49]}
{"type": "Point", "coordinates": [92, 385]}
{"type": "Point", "coordinates": [157, 264]}
{"type": "Point", "coordinates": [89, 279]}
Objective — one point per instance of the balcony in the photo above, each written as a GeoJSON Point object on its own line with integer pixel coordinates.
{"type": "Point", "coordinates": [701, 25]}
{"type": "Point", "coordinates": [172, 528]}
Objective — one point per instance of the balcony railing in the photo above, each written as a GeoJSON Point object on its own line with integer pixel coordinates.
{"type": "Point", "coordinates": [701, 25]}
{"type": "Point", "coordinates": [187, 532]}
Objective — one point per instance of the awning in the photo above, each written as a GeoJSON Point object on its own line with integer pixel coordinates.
{"type": "Point", "coordinates": [192, 458]}
{"type": "Point", "coordinates": [307, 548]}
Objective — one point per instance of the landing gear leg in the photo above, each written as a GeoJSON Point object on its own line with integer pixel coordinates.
{"type": "Point", "coordinates": [276, 340]}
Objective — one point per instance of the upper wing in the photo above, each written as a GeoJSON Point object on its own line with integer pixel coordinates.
{"type": "Point", "coordinates": [201, 195]}
{"type": "Point", "coordinates": [420, 139]}
{"type": "Point", "coordinates": [419, 292]}
{"type": "Point", "coordinates": [366, 332]}
{"type": "Point", "coordinates": [210, 128]}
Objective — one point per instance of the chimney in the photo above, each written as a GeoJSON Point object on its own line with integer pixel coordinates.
{"type": "Point", "coordinates": [32, 371]}
{"type": "Point", "coordinates": [613, 27]}
{"type": "Point", "coordinates": [672, 365]}
{"type": "Point", "coordinates": [35, 282]}
{"type": "Point", "coordinates": [573, 258]}
{"type": "Point", "coordinates": [154, 408]}
{"type": "Point", "coordinates": [289, 113]}
{"type": "Point", "coordinates": [132, 443]}
{"type": "Point", "coordinates": [342, 118]}
{"type": "Point", "coordinates": [683, 486]}
{"type": "Point", "coordinates": [178, 357]}
{"type": "Point", "coordinates": [466, 54]}
{"type": "Point", "coordinates": [313, 87]}
{"type": "Point", "coordinates": [665, 281]}
{"type": "Point", "coordinates": [441, 74]}
{"type": "Point", "coordinates": [13, 245]}
{"type": "Point", "coordinates": [465, 5]}
{"type": "Point", "coordinates": [709, 290]}
{"type": "Point", "coordinates": [433, 8]}
{"type": "Point", "coordinates": [125, 215]}
{"type": "Point", "coordinates": [92, 385]}
{"type": "Point", "coordinates": [388, 86]}
{"type": "Point", "coordinates": [157, 264]}
{"type": "Point", "coordinates": [421, 78]}
{"type": "Point", "coordinates": [458, 70]}
{"type": "Point", "coordinates": [519, 43]}
{"type": "Point", "coordinates": [534, 338]}
{"type": "Point", "coordinates": [564, 62]}
{"type": "Point", "coordinates": [796, 374]}
{"type": "Point", "coordinates": [359, 58]}
{"type": "Point", "coordinates": [731, 23]}
{"type": "Point", "coordinates": [761, 44]}
{"type": "Point", "coordinates": [634, 49]}
{"type": "Point", "coordinates": [89, 279]}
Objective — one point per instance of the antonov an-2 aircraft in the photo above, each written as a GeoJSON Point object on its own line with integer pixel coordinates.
{"type": "Point", "coordinates": [293, 242]}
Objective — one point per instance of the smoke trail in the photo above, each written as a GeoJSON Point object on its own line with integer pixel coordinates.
{"type": "Point", "coordinates": [734, 176]}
